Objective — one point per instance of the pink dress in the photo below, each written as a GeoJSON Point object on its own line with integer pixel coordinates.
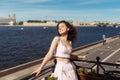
{"type": "Point", "coordinates": [64, 70]}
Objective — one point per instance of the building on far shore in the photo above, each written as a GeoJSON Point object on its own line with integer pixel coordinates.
{"type": "Point", "coordinates": [10, 20]}
{"type": "Point", "coordinates": [48, 23]}
{"type": "Point", "coordinates": [85, 24]}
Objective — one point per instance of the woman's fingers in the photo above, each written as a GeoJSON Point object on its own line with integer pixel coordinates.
{"type": "Point", "coordinates": [36, 73]}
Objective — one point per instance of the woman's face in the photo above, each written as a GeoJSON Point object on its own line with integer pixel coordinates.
{"type": "Point", "coordinates": [62, 29]}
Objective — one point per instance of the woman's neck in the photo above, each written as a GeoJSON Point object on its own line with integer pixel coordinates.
{"type": "Point", "coordinates": [64, 37]}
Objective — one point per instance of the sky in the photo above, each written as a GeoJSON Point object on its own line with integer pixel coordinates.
{"type": "Point", "coordinates": [75, 10]}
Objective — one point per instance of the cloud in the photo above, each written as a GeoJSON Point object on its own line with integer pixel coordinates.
{"type": "Point", "coordinates": [35, 9]}
{"type": "Point", "coordinates": [25, 1]}
{"type": "Point", "coordinates": [44, 12]}
{"type": "Point", "coordinates": [88, 2]}
{"type": "Point", "coordinates": [88, 15]}
{"type": "Point", "coordinates": [56, 14]}
{"type": "Point", "coordinates": [114, 10]}
{"type": "Point", "coordinates": [36, 1]}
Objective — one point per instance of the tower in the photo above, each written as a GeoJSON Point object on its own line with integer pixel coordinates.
{"type": "Point", "coordinates": [11, 16]}
{"type": "Point", "coordinates": [12, 19]}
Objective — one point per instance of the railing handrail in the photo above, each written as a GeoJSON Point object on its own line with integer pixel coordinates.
{"type": "Point", "coordinates": [103, 63]}
{"type": "Point", "coordinates": [19, 67]}
{"type": "Point", "coordinates": [32, 76]}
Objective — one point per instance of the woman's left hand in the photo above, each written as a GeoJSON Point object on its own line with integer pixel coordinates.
{"type": "Point", "coordinates": [83, 57]}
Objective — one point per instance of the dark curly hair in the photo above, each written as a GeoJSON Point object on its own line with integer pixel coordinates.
{"type": "Point", "coordinates": [72, 33]}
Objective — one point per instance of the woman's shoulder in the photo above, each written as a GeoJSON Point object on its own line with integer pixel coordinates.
{"type": "Point", "coordinates": [56, 38]}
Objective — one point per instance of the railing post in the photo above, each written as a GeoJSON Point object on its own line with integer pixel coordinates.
{"type": "Point", "coordinates": [55, 62]}
{"type": "Point", "coordinates": [98, 64]}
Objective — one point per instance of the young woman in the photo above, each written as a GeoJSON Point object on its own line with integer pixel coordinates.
{"type": "Point", "coordinates": [61, 49]}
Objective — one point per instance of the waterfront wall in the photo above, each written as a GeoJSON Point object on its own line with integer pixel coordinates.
{"type": "Point", "coordinates": [51, 23]}
{"type": "Point", "coordinates": [40, 24]}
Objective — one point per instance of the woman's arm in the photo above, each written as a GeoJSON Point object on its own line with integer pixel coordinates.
{"type": "Point", "coordinates": [73, 56]}
{"type": "Point", "coordinates": [78, 57]}
{"type": "Point", "coordinates": [48, 56]}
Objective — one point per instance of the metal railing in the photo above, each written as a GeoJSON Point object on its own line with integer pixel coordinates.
{"type": "Point", "coordinates": [96, 64]}
{"type": "Point", "coordinates": [43, 75]}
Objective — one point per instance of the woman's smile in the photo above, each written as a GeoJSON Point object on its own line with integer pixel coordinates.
{"type": "Point", "coordinates": [62, 28]}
